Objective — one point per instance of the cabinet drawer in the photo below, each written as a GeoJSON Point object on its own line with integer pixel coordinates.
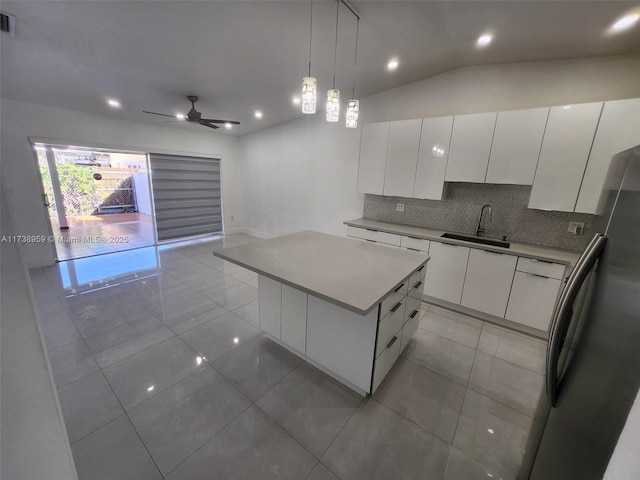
{"type": "Point", "coordinates": [416, 277]}
{"type": "Point", "coordinates": [540, 267]}
{"type": "Point", "coordinates": [385, 361]}
{"type": "Point", "coordinates": [393, 298]}
{"type": "Point", "coordinates": [390, 324]}
{"type": "Point", "coordinates": [415, 243]}
{"type": "Point", "coordinates": [532, 300]}
{"type": "Point", "coordinates": [408, 330]}
{"type": "Point", "coordinates": [375, 235]}
{"type": "Point", "coordinates": [413, 305]}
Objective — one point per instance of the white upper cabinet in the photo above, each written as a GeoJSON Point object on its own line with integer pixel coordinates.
{"type": "Point", "coordinates": [402, 157]}
{"type": "Point", "coordinates": [470, 147]}
{"type": "Point", "coordinates": [563, 157]}
{"type": "Point", "coordinates": [432, 157]}
{"type": "Point", "coordinates": [373, 157]}
{"type": "Point", "coordinates": [516, 146]}
{"type": "Point", "coordinates": [618, 130]}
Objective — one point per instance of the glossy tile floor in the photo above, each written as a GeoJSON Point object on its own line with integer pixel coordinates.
{"type": "Point", "coordinates": [97, 234]}
{"type": "Point", "coordinates": [162, 373]}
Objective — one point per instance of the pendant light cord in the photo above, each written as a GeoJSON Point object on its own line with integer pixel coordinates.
{"type": "Point", "coordinates": [335, 49]}
{"type": "Point", "coordinates": [310, 35]}
{"type": "Point", "coordinates": [355, 58]}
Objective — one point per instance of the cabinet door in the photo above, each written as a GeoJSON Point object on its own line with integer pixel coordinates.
{"type": "Point", "coordinates": [516, 146]}
{"type": "Point", "coordinates": [294, 318]}
{"type": "Point", "coordinates": [402, 157]}
{"type": "Point", "coordinates": [532, 300]}
{"type": "Point", "coordinates": [373, 157]}
{"type": "Point", "coordinates": [270, 306]}
{"type": "Point", "coordinates": [488, 281]}
{"type": "Point", "coordinates": [432, 157]}
{"type": "Point", "coordinates": [445, 271]}
{"type": "Point", "coordinates": [618, 130]}
{"type": "Point", "coordinates": [563, 157]}
{"type": "Point", "coordinates": [470, 147]}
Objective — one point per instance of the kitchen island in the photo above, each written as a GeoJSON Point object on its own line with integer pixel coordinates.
{"type": "Point", "coordinates": [345, 306]}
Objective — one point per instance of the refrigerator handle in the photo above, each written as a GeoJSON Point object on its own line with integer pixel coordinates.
{"type": "Point", "coordinates": [562, 311]}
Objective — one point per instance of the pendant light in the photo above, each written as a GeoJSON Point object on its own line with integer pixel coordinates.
{"type": "Point", "coordinates": [333, 95]}
{"type": "Point", "coordinates": [353, 105]}
{"type": "Point", "coordinates": [309, 83]}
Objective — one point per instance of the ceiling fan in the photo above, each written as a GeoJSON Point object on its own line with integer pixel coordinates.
{"type": "Point", "coordinates": [195, 116]}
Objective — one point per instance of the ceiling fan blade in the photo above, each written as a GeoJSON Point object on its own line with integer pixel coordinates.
{"type": "Point", "coordinates": [210, 125]}
{"type": "Point", "coordinates": [161, 114]}
{"type": "Point", "coordinates": [211, 120]}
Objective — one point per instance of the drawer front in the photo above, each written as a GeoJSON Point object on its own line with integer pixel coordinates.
{"type": "Point", "coordinates": [385, 361]}
{"type": "Point", "coordinates": [416, 277]}
{"type": "Point", "coordinates": [539, 267]}
{"type": "Point", "coordinates": [413, 305]}
{"type": "Point", "coordinates": [393, 298]}
{"type": "Point", "coordinates": [408, 331]}
{"type": "Point", "coordinates": [415, 243]}
{"type": "Point", "coordinates": [358, 232]}
{"type": "Point", "coordinates": [384, 237]}
{"type": "Point", "coordinates": [389, 325]}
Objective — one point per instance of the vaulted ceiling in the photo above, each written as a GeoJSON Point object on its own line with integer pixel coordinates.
{"type": "Point", "coordinates": [242, 56]}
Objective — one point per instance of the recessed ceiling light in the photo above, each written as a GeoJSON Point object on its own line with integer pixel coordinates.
{"type": "Point", "coordinates": [625, 22]}
{"type": "Point", "coordinates": [296, 100]}
{"type": "Point", "coordinates": [180, 116]}
{"type": "Point", "coordinates": [484, 40]}
{"type": "Point", "coordinates": [258, 114]}
{"type": "Point", "coordinates": [113, 103]}
{"type": "Point", "coordinates": [228, 125]}
{"type": "Point", "coordinates": [392, 65]}
{"type": "Point", "coordinates": [567, 107]}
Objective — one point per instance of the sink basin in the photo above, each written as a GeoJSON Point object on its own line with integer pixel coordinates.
{"type": "Point", "coordinates": [474, 239]}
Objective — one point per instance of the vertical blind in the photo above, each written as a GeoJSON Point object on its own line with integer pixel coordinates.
{"type": "Point", "coordinates": [186, 194]}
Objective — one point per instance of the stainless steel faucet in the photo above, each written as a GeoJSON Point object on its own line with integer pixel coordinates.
{"type": "Point", "coordinates": [480, 229]}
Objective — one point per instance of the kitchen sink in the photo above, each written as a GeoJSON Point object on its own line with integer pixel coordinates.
{"type": "Point", "coordinates": [471, 238]}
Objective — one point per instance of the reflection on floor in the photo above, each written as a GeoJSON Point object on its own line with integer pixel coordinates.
{"type": "Point", "coordinates": [97, 234]}
{"type": "Point", "coordinates": [162, 373]}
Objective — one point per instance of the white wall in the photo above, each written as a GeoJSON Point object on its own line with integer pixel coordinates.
{"type": "Point", "coordinates": [303, 174]}
{"type": "Point", "coordinates": [33, 437]}
{"type": "Point", "coordinates": [300, 175]}
{"type": "Point", "coordinates": [21, 120]}
{"type": "Point", "coordinates": [511, 86]}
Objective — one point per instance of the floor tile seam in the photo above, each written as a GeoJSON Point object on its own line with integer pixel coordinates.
{"type": "Point", "coordinates": [202, 324]}
{"type": "Point", "coordinates": [151, 314]}
{"type": "Point", "coordinates": [219, 432]}
{"type": "Point", "coordinates": [448, 339]}
{"type": "Point", "coordinates": [417, 424]}
{"type": "Point", "coordinates": [235, 347]}
{"type": "Point", "coordinates": [75, 442]}
{"type": "Point", "coordinates": [362, 400]}
{"type": "Point", "coordinates": [276, 384]}
{"type": "Point", "coordinates": [75, 323]}
{"type": "Point", "coordinates": [435, 372]}
{"type": "Point", "coordinates": [201, 367]}
{"type": "Point", "coordinates": [489, 395]}
{"type": "Point", "coordinates": [133, 425]}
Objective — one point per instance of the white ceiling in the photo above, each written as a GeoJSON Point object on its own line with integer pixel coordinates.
{"type": "Point", "coordinates": [239, 56]}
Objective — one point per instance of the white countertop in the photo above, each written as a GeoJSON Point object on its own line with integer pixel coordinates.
{"type": "Point", "coordinates": [555, 255]}
{"type": "Point", "coordinates": [352, 274]}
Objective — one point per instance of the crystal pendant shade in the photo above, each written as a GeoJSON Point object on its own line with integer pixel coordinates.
{"type": "Point", "coordinates": [333, 105]}
{"type": "Point", "coordinates": [309, 95]}
{"type": "Point", "coordinates": [353, 107]}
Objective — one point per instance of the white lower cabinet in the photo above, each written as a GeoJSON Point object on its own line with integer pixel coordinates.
{"type": "Point", "coordinates": [532, 300]}
{"type": "Point", "coordinates": [294, 318]}
{"type": "Point", "coordinates": [445, 271]}
{"type": "Point", "coordinates": [409, 329]}
{"type": "Point", "coordinates": [383, 238]}
{"type": "Point", "coordinates": [390, 324]}
{"type": "Point", "coordinates": [385, 360]}
{"type": "Point", "coordinates": [270, 306]}
{"type": "Point", "coordinates": [488, 281]}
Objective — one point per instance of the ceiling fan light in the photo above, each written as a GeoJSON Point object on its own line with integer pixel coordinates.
{"type": "Point", "coordinates": [309, 86]}
{"type": "Point", "coordinates": [353, 108]}
{"type": "Point", "coordinates": [333, 105]}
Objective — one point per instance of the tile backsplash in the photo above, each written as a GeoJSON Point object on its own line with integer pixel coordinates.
{"type": "Point", "coordinates": [458, 212]}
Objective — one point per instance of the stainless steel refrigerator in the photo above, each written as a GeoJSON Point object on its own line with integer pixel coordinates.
{"type": "Point", "coordinates": [593, 357]}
